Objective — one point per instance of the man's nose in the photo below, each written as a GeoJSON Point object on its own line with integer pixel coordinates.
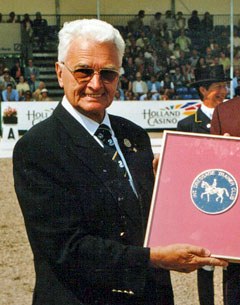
{"type": "Point", "coordinates": [96, 81]}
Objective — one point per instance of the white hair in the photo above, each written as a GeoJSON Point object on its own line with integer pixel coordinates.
{"type": "Point", "coordinates": [89, 29]}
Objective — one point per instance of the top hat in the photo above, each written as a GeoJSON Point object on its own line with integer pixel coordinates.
{"type": "Point", "coordinates": [208, 75]}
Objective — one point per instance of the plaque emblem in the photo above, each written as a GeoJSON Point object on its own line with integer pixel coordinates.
{"type": "Point", "coordinates": [214, 191]}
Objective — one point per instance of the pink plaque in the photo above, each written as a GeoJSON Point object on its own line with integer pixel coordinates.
{"type": "Point", "coordinates": [195, 198]}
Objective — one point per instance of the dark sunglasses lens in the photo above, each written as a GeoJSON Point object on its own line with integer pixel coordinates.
{"type": "Point", "coordinates": [86, 74]}
{"type": "Point", "coordinates": [83, 73]}
{"type": "Point", "coordinates": [108, 75]}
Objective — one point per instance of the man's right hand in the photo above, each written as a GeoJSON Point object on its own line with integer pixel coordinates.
{"type": "Point", "coordinates": [183, 258]}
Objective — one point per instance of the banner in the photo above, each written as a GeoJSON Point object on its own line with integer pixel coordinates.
{"type": "Point", "coordinates": [10, 34]}
{"type": "Point", "coordinates": [149, 115]}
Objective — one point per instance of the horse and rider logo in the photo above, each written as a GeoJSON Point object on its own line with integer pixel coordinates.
{"type": "Point", "coordinates": [214, 191]}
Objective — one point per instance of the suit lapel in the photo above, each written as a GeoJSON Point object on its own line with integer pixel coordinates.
{"type": "Point", "coordinates": [202, 121]}
{"type": "Point", "coordinates": [92, 154]}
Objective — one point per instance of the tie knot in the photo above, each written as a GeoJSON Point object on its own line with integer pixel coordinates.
{"type": "Point", "coordinates": [104, 134]}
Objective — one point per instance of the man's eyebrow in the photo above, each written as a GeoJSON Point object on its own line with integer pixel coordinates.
{"type": "Point", "coordinates": [110, 67]}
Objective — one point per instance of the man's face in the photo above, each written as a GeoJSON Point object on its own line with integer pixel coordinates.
{"type": "Point", "coordinates": [215, 94]}
{"type": "Point", "coordinates": [90, 98]}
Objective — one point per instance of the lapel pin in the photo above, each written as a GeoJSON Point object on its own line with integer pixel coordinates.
{"type": "Point", "coordinates": [127, 143]}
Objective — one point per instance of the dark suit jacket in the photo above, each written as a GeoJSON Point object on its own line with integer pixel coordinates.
{"type": "Point", "coordinates": [198, 123]}
{"type": "Point", "coordinates": [85, 225]}
{"type": "Point", "coordinates": [226, 118]}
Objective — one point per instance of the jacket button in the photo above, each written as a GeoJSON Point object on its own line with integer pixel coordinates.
{"type": "Point", "coordinates": [122, 234]}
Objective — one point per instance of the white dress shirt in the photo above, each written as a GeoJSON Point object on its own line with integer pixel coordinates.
{"type": "Point", "coordinates": [92, 126]}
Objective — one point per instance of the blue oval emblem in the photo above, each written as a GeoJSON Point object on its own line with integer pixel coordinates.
{"type": "Point", "coordinates": [214, 191]}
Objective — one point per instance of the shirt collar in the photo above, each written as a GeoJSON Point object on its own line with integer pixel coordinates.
{"type": "Point", "coordinates": [90, 125]}
{"type": "Point", "coordinates": [207, 111]}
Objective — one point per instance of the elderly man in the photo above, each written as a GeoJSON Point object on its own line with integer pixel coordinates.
{"type": "Point", "coordinates": [84, 181]}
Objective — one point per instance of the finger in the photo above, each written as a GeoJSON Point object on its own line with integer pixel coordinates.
{"type": "Point", "coordinates": [198, 251]}
{"type": "Point", "coordinates": [213, 262]}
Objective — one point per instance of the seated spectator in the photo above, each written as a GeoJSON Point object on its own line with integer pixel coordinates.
{"type": "Point", "coordinates": [236, 39]}
{"type": "Point", "coordinates": [193, 59]}
{"type": "Point", "coordinates": [143, 41]}
{"type": "Point", "coordinates": [164, 51]}
{"type": "Point", "coordinates": [180, 22]}
{"type": "Point", "coordinates": [172, 65]}
{"type": "Point", "coordinates": [183, 59]}
{"type": "Point", "coordinates": [236, 61]}
{"type": "Point", "coordinates": [119, 96]}
{"type": "Point", "coordinates": [44, 96]}
{"type": "Point", "coordinates": [139, 86]}
{"type": "Point", "coordinates": [40, 26]}
{"type": "Point", "coordinates": [153, 84]}
{"type": "Point", "coordinates": [223, 40]}
{"type": "Point", "coordinates": [22, 87]}
{"type": "Point", "coordinates": [28, 96]}
{"type": "Point", "coordinates": [146, 97]}
{"type": "Point", "coordinates": [17, 70]}
{"type": "Point", "coordinates": [136, 24]}
{"type": "Point", "coordinates": [207, 23]}
{"type": "Point", "coordinates": [236, 79]}
{"type": "Point", "coordinates": [176, 51]}
{"type": "Point", "coordinates": [156, 23]}
{"type": "Point", "coordinates": [6, 78]}
{"type": "Point", "coordinates": [129, 96]}
{"type": "Point", "coordinates": [124, 83]}
{"type": "Point", "coordinates": [33, 83]}
{"type": "Point", "coordinates": [13, 18]}
{"type": "Point", "coordinates": [130, 68]}
{"type": "Point", "coordinates": [37, 93]}
{"type": "Point", "coordinates": [178, 78]}
{"type": "Point", "coordinates": [27, 36]}
{"type": "Point", "coordinates": [167, 87]}
{"type": "Point", "coordinates": [225, 61]}
{"type": "Point", "coordinates": [170, 23]}
{"type": "Point", "coordinates": [201, 63]}
{"type": "Point", "coordinates": [183, 41]}
{"type": "Point", "coordinates": [10, 94]}
{"type": "Point", "coordinates": [31, 69]}
{"type": "Point", "coordinates": [139, 61]}
{"type": "Point", "coordinates": [189, 74]}
{"type": "Point", "coordinates": [215, 61]}
{"type": "Point", "coordinates": [194, 23]}
{"type": "Point", "coordinates": [2, 67]}
{"type": "Point", "coordinates": [208, 56]}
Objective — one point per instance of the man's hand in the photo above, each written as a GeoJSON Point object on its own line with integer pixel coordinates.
{"type": "Point", "coordinates": [155, 163]}
{"type": "Point", "coordinates": [183, 258]}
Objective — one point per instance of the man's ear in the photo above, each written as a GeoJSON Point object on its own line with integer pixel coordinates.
{"type": "Point", "coordinates": [58, 69]}
{"type": "Point", "coordinates": [203, 90]}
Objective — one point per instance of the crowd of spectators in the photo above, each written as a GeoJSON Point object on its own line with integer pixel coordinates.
{"type": "Point", "coordinates": [22, 83]}
{"type": "Point", "coordinates": [159, 60]}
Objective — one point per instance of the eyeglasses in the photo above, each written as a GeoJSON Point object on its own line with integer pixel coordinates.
{"type": "Point", "coordinates": [86, 74]}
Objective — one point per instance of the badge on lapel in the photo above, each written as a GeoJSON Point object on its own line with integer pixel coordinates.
{"type": "Point", "coordinates": [128, 144]}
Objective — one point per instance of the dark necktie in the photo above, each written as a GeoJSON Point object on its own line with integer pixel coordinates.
{"type": "Point", "coordinates": [104, 135]}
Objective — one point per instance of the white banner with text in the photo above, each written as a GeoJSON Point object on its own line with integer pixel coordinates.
{"type": "Point", "coordinates": [148, 114]}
